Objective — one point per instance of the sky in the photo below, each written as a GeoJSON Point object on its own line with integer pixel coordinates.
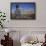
{"type": "Point", "coordinates": [23, 6]}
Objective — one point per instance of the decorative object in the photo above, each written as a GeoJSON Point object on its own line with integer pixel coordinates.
{"type": "Point", "coordinates": [7, 30]}
{"type": "Point", "coordinates": [23, 10]}
{"type": "Point", "coordinates": [44, 44]}
{"type": "Point", "coordinates": [2, 18]}
{"type": "Point", "coordinates": [8, 41]}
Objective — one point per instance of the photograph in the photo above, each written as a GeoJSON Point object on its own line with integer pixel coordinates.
{"type": "Point", "coordinates": [23, 10]}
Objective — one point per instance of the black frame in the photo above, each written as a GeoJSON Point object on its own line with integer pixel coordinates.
{"type": "Point", "coordinates": [23, 18]}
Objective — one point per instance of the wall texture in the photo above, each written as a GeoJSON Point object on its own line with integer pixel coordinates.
{"type": "Point", "coordinates": [40, 14]}
{"type": "Point", "coordinates": [25, 26]}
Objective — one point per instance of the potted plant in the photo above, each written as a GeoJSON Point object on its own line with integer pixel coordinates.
{"type": "Point", "coordinates": [2, 19]}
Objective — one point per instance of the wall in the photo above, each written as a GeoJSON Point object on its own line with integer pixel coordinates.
{"type": "Point", "coordinates": [40, 14]}
{"type": "Point", "coordinates": [26, 26]}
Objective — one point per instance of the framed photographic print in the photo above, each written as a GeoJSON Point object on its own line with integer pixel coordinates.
{"type": "Point", "coordinates": [23, 10]}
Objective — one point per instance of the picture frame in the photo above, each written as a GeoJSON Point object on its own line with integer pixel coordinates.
{"type": "Point", "coordinates": [23, 10]}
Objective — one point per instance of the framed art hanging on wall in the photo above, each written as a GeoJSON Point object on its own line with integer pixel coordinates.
{"type": "Point", "coordinates": [23, 10]}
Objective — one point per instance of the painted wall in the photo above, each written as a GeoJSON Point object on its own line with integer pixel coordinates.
{"type": "Point", "coordinates": [25, 26]}
{"type": "Point", "coordinates": [40, 14]}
